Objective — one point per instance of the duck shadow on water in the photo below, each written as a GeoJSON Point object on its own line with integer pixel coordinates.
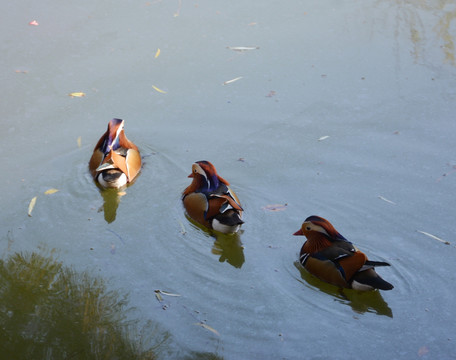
{"type": "Point", "coordinates": [360, 301]}
{"type": "Point", "coordinates": [228, 247]}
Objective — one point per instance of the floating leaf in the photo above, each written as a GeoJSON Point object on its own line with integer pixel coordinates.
{"type": "Point", "coordinates": [31, 206]}
{"type": "Point", "coordinates": [77, 94]}
{"type": "Point", "coordinates": [183, 231]}
{"type": "Point", "coordinates": [232, 80]}
{"type": "Point", "coordinates": [50, 191]}
{"type": "Point", "coordinates": [159, 90]}
{"type": "Point", "coordinates": [323, 138]}
{"type": "Point", "coordinates": [207, 327]}
{"type": "Point", "coordinates": [158, 296]}
{"type": "Point", "coordinates": [422, 351]}
{"type": "Point", "coordinates": [33, 23]}
{"type": "Point", "coordinates": [157, 54]}
{"type": "Point", "coordinates": [275, 207]}
{"type": "Point", "coordinates": [385, 199]}
{"type": "Point", "coordinates": [242, 48]}
{"type": "Point", "coordinates": [165, 293]}
{"type": "Point", "coordinates": [79, 141]}
{"type": "Point", "coordinates": [434, 237]}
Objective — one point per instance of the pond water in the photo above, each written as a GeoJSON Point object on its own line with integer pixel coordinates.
{"type": "Point", "coordinates": [340, 109]}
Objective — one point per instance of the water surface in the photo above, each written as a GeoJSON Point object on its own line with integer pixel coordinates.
{"type": "Point", "coordinates": [345, 110]}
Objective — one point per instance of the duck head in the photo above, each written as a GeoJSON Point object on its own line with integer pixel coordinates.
{"type": "Point", "coordinates": [205, 178]}
{"type": "Point", "coordinates": [113, 136]}
{"type": "Point", "coordinates": [316, 228]}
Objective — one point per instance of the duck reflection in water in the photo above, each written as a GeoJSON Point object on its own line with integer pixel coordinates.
{"type": "Point", "coordinates": [111, 201]}
{"type": "Point", "coordinates": [360, 301]}
{"type": "Point", "coordinates": [228, 247]}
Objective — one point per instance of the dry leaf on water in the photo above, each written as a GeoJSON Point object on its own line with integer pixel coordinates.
{"type": "Point", "coordinates": [157, 54]}
{"type": "Point", "coordinates": [434, 237]}
{"type": "Point", "coordinates": [275, 207]}
{"type": "Point", "coordinates": [386, 200]}
{"type": "Point", "coordinates": [158, 90]}
{"type": "Point", "coordinates": [31, 206]}
{"type": "Point", "coordinates": [207, 327]}
{"type": "Point", "coordinates": [76, 94]}
{"type": "Point", "coordinates": [232, 80]}
{"type": "Point", "coordinates": [165, 293]}
{"type": "Point", "coordinates": [242, 48]}
{"type": "Point", "coordinates": [79, 141]}
{"type": "Point", "coordinates": [50, 191]}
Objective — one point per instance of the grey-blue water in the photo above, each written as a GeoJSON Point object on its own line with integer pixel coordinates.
{"type": "Point", "coordinates": [342, 109]}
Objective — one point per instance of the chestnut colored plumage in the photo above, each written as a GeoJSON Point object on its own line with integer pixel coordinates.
{"type": "Point", "coordinates": [115, 160]}
{"type": "Point", "coordinates": [332, 258]}
{"type": "Point", "coordinates": [209, 200]}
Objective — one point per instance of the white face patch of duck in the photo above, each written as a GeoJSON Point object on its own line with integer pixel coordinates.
{"type": "Point", "coordinates": [309, 226]}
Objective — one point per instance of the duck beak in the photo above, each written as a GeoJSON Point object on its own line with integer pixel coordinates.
{"type": "Point", "coordinates": [191, 175]}
{"type": "Point", "coordinates": [299, 232]}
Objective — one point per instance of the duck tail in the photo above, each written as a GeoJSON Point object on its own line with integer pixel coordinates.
{"type": "Point", "coordinates": [366, 279]}
{"type": "Point", "coordinates": [376, 263]}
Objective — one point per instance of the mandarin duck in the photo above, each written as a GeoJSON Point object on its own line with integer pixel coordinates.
{"type": "Point", "coordinates": [335, 260]}
{"type": "Point", "coordinates": [115, 160]}
{"type": "Point", "coordinates": [209, 200]}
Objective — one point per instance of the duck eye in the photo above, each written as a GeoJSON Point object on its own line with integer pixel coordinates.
{"type": "Point", "coordinates": [308, 228]}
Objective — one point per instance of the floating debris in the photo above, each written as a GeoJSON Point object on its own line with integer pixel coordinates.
{"type": "Point", "coordinates": [157, 54]}
{"type": "Point", "coordinates": [33, 23]}
{"type": "Point", "coordinates": [434, 237]}
{"type": "Point", "coordinates": [79, 141]}
{"type": "Point", "coordinates": [232, 80]}
{"type": "Point", "coordinates": [77, 94]}
{"type": "Point", "coordinates": [207, 327]}
{"type": "Point", "coordinates": [50, 191]}
{"type": "Point", "coordinates": [158, 90]}
{"type": "Point", "coordinates": [275, 207]}
{"type": "Point", "coordinates": [385, 199]}
{"type": "Point", "coordinates": [31, 206]}
{"type": "Point", "coordinates": [183, 231]}
{"type": "Point", "coordinates": [158, 296]}
{"type": "Point", "coordinates": [165, 293]}
{"type": "Point", "coordinates": [242, 48]}
{"type": "Point", "coordinates": [323, 138]}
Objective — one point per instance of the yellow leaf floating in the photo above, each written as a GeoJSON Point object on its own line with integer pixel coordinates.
{"type": "Point", "coordinates": [207, 327]}
{"type": "Point", "coordinates": [159, 90]}
{"type": "Point", "coordinates": [50, 191]}
{"type": "Point", "coordinates": [79, 141]}
{"type": "Point", "coordinates": [157, 54]}
{"type": "Point", "coordinates": [31, 206]}
{"type": "Point", "coordinates": [77, 94]}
